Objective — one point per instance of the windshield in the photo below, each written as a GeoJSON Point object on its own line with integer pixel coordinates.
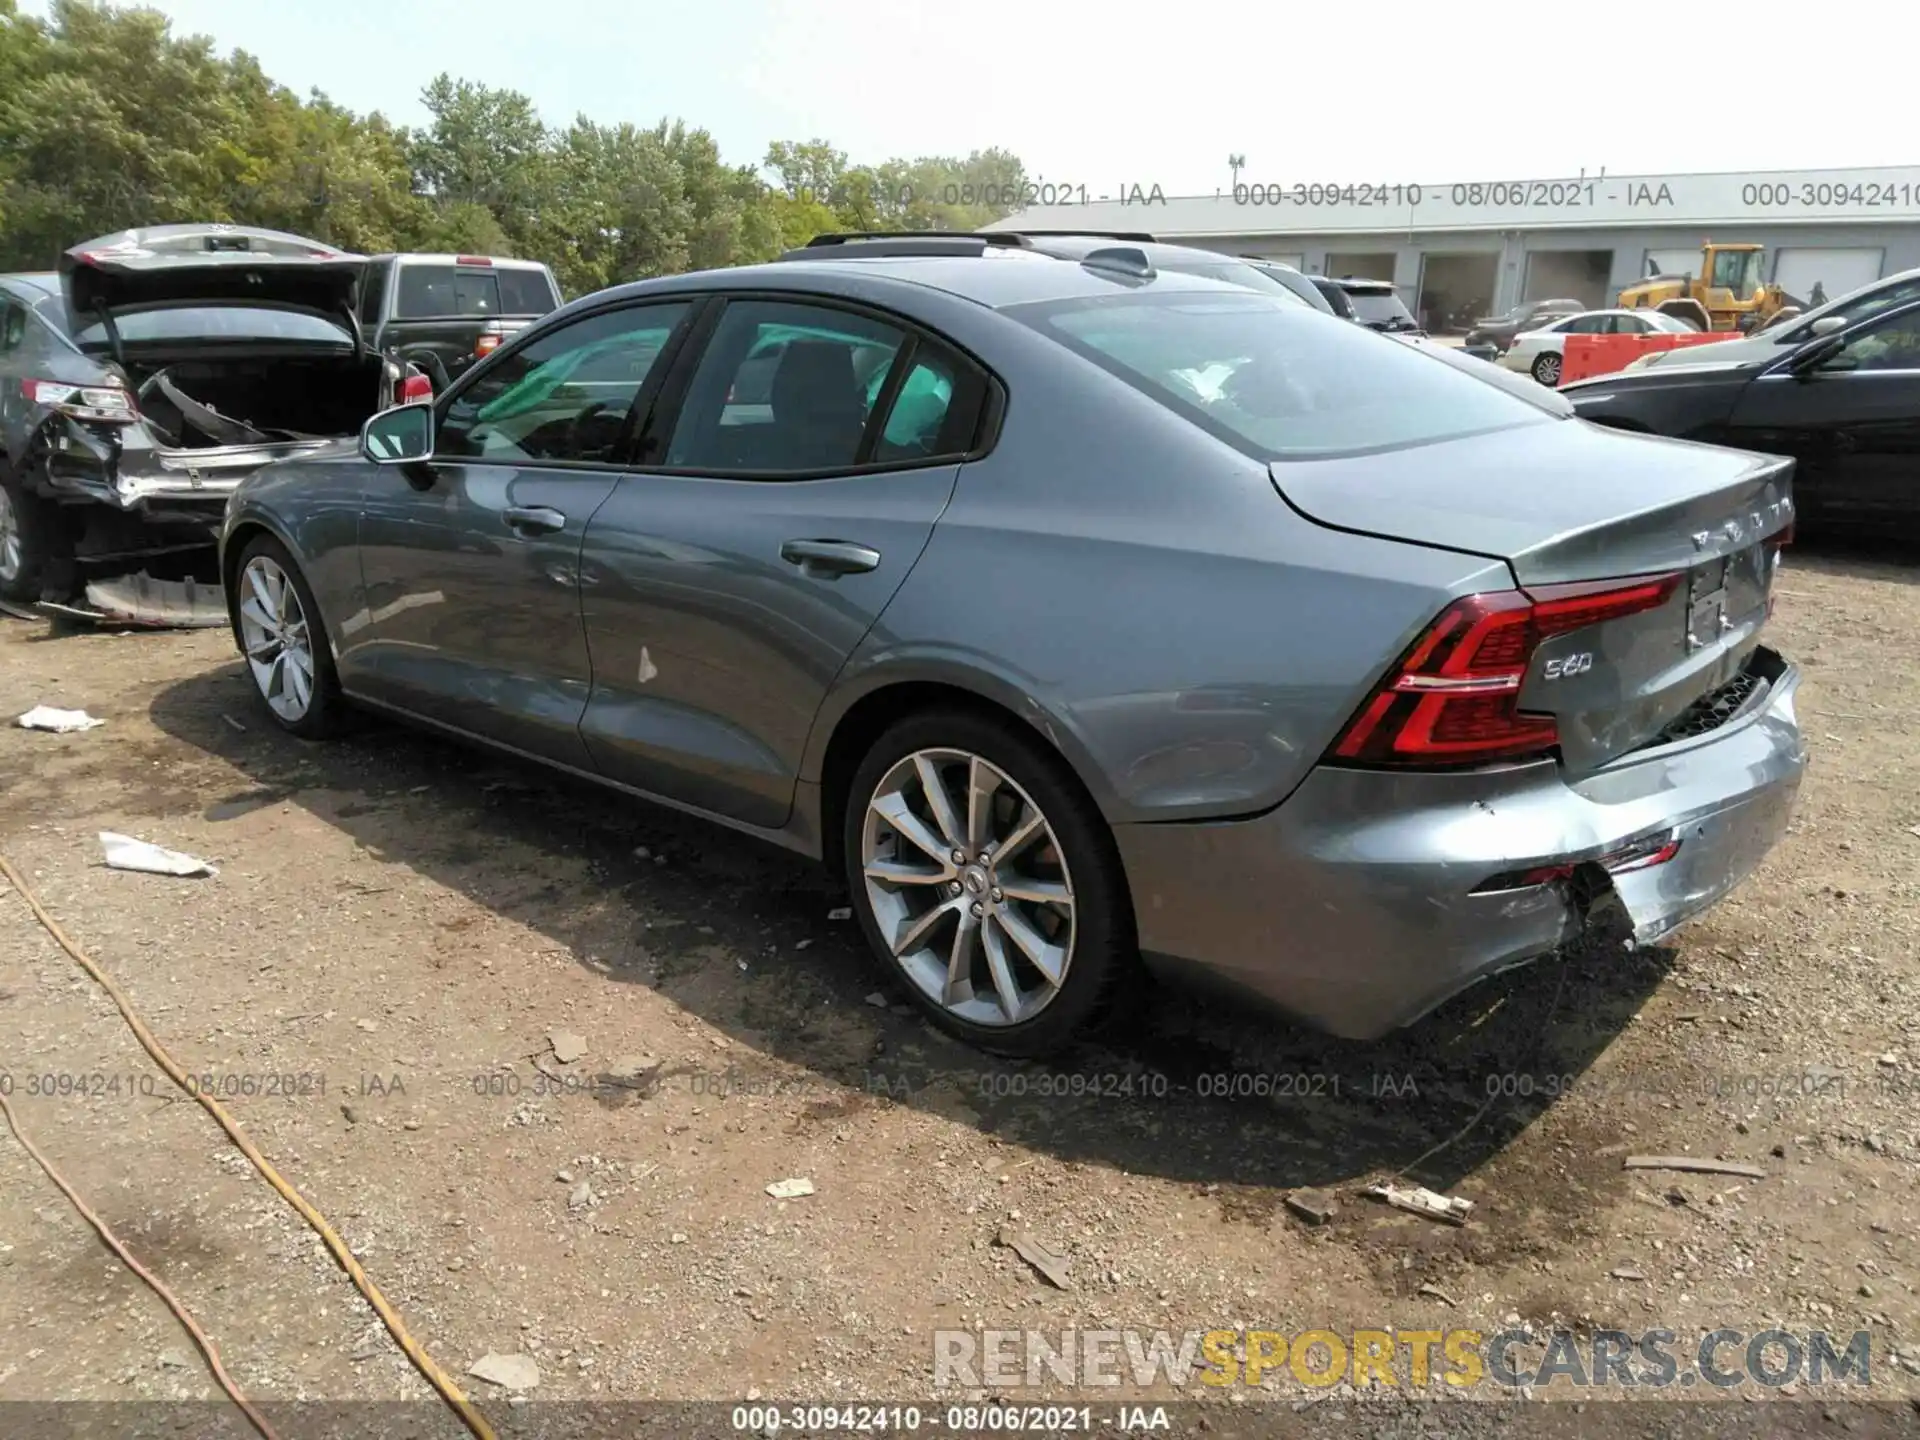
{"type": "Point", "coordinates": [1278, 381]}
{"type": "Point", "coordinates": [217, 322]}
{"type": "Point", "coordinates": [1380, 307]}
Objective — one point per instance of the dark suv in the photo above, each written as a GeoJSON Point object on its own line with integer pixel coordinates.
{"type": "Point", "coordinates": [443, 312]}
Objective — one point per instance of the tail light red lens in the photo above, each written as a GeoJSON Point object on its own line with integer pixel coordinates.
{"type": "Point", "coordinates": [104, 403]}
{"type": "Point", "coordinates": [1454, 699]}
{"type": "Point", "coordinates": [415, 387]}
{"type": "Point", "coordinates": [485, 345]}
{"type": "Point", "coordinates": [481, 260]}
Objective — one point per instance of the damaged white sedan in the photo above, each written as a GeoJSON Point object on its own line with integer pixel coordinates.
{"type": "Point", "coordinates": [142, 381]}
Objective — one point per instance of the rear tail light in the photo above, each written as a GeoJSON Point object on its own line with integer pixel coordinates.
{"type": "Point", "coordinates": [485, 345]}
{"type": "Point", "coordinates": [1454, 698]}
{"type": "Point", "coordinates": [108, 403]}
{"type": "Point", "coordinates": [473, 260]}
{"type": "Point", "coordinates": [415, 387]}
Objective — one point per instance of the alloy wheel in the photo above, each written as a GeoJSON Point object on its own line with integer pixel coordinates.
{"type": "Point", "coordinates": [12, 545]}
{"type": "Point", "coordinates": [1548, 369]}
{"type": "Point", "coordinates": [276, 638]}
{"type": "Point", "coordinates": [969, 887]}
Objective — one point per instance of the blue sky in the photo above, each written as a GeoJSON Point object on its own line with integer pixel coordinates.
{"type": "Point", "coordinates": [1142, 92]}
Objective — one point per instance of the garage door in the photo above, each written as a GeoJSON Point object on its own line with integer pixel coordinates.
{"type": "Point", "coordinates": [1836, 272]}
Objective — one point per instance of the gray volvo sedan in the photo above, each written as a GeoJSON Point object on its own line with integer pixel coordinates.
{"type": "Point", "coordinates": [1079, 613]}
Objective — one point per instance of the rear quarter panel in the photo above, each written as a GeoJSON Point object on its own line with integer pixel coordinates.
{"type": "Point", "coordinates": [1137, 591]}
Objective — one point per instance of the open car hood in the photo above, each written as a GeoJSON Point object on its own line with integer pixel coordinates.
{"type": "Point", "coordinates": [198, 264]}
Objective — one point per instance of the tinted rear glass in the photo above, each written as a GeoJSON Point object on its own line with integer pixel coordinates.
{"type": "Point", "coordinates": [1278, 381]}
{"type": "Point", "coordinates": [1377, 305]}
{"type": "Point", "coordinates": [218, 322]}
{"type": "Point", "coordinates": [526, 292]}
{"type": "Point", "coordinates": [448, 292]}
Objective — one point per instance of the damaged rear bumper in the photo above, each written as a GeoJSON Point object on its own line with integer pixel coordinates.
{"type": "Point", "coordinates": [1369, 897]}
{"type": "Point", "coordinates": [171, 488]}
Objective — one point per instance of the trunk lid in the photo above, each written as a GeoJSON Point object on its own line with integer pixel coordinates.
{"type": "Point", "coordinates": [1571, 504]}
{"type": "Point", "coordinates": [200, 264]}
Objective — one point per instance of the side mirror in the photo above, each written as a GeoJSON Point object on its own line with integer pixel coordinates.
{"type": "Point", "coordinates": [1827, 324]}
{"type": "Point", "coordinates": [400, 436]}
{"type": "Point", "coordinates": [1813, 355]}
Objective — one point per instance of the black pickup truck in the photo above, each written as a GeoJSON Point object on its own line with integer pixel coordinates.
{"type": "Point", "coordinates": [443, 312]}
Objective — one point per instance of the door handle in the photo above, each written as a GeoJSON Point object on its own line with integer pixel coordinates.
{"type": "Point", "coordinates": [829, 559]}
{"type": "Point", "coordinates": [535, 519]}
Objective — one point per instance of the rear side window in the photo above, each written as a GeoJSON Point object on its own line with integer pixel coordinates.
{"type": "Point", "coordinates": [789, 389]}
{"type": "Point", "coordinates": [1277, 381]}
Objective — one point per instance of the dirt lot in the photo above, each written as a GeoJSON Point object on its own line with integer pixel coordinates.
{"type": "Point", "coordinates": [400, 927]}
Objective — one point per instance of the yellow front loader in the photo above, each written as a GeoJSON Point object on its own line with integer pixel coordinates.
{"type": "Point", "coordinates": [1727, 293]}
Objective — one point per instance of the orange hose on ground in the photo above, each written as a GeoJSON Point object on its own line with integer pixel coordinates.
{"type": "Point", "coordinates": [167, 1297]}
{"type": "Point", "coordinates": [423, 1362]}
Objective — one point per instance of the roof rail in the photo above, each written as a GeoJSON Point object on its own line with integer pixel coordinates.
{"type": "Point", "coordinates": [996, 237]}
{"type": "Point", "coordinates": [1138, 237]}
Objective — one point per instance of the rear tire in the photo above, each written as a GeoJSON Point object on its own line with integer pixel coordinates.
{"type": "Point", "coordinates": [284, 641]}
{"type": "Point", "coordinates": [1025, 941]}
{"type": "Point", "coordinates": [1546, 369]}
{"type": "Point", "coordinates": [29, 526]}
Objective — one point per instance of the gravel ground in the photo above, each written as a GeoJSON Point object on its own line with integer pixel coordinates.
{"type": "Point", "coordinates": [407, 942]}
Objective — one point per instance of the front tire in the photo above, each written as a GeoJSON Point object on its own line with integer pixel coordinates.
{"type": "Point", "coordinates": [1546, 369]}
{"type": "Point", "coordinates": [986, 881]}
{"type": "Point", "coordinates": [284, 641]}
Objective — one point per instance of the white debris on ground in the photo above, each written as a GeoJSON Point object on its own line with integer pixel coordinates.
{"type": "Point", "coordinates": [46, 717]}
{"type": "Point", "coordinates": [126, 853]}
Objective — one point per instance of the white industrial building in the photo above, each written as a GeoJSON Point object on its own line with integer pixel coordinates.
{"type": "Point", "coordinates": [1485, 246]}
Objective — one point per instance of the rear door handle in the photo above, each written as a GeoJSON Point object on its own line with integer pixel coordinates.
{"type": "Point", "coordinates": [535, 519]}
{"type": "Point", "coordinates": [829, 559]}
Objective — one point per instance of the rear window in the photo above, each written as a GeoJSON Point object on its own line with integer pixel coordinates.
{"type": "Point", "coordinates": [450, 292]}
{"type": "Point", "coordinates": [1278, 381]}
{"type": "Point", "coordinates": [1376, 306]}
{"type": "Point", "coordinates": [217, 322]}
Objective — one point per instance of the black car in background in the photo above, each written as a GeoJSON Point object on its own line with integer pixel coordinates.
{"type": "Point", "coordinates": [1375, 304]}
{"type": "Point", "coordinates": [443, 312]}
{"type": "Point", "coordinates": [1844, 405]}
{"type": "Point", "coordinates": [1499, 330]}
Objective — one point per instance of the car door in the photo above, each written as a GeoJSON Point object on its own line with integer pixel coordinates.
{"type": "Point", "coordinates": [1851, 422]}
{"type": "Point", "coordinates": [728, 580]}
{"type": "Point", "coordinates": [471, 562]}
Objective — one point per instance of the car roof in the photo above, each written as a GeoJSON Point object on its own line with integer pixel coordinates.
{"type": "Point", "coordinates": [1354, 284]}
{"type": "Point", "coordinates": [997, 279]}
{"type": "Point", "coordinates": [47, 282]}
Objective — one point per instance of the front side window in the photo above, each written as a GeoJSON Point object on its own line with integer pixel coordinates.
{"type": "Point", "coordinates": [1275, 381]}
{"type": "Point", "coordinates": [783, 387]}
{"type": "Point", "coordinates": [1889, 345]}
{"type": "Point", "coordinates": [565, 396]}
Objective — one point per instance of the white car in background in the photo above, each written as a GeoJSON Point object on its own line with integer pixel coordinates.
{"type": "Point", "coordinates": [1541, 352]}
